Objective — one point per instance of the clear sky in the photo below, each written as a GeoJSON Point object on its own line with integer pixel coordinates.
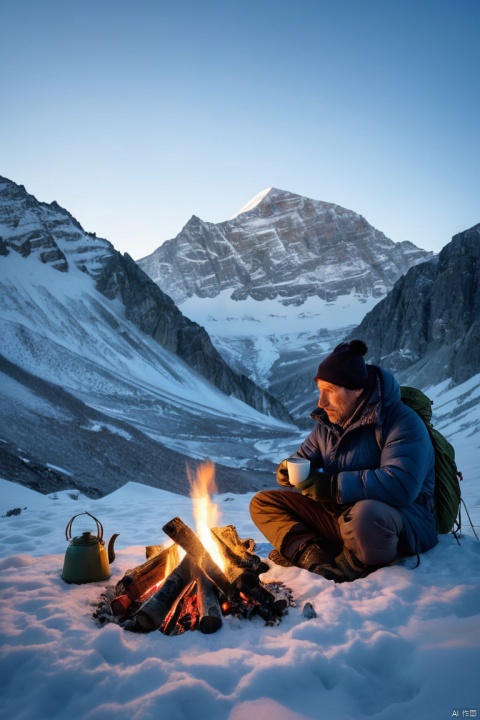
{"type": "Point", "coordinates": [135, 115]}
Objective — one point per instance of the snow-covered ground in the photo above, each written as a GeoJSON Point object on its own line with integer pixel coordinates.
{"type": "Point", "coordinates": [401, 644]}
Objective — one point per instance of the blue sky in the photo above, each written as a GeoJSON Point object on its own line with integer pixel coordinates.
{"type": "Point", "coordinates": [136, 115]}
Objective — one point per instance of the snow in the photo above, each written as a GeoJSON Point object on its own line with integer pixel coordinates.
{"type": "Point", "coordinates": [256, 200]}
{"type": "Point", "coordinates": [224, 317]}
{"type": "Point", "coordinates": [401, 644]}
{"type": "Point", "coordinates": [262, 332]}
{"type": "Point", "coordinates": [58, 327]}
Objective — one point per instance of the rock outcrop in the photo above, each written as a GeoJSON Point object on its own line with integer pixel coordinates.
{"type": "Point", "coordinates": [428, 327]}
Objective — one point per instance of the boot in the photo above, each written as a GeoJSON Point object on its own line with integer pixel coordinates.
{"type": "Point", "coordinates": [279, 559]}
{"type": "Point", "coordinates": [312, 557]}
{"type": "Point", "coordinates": [345, 567]}
{"type": "Point", "coordinates": [350, 568]}
{"type": "Point", "coordinates": [309, 556]}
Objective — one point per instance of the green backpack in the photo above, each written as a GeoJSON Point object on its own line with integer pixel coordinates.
{"type": "Point", "coordinates": [447, 476]}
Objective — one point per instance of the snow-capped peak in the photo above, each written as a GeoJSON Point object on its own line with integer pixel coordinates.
{"type": "Point", "coordinates": [256, 200]}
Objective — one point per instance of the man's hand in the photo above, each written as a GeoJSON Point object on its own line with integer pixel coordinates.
{"type": "Point", "coordinates": [319, 486]}
{"type": "Point", "coordinates": [282, 474]}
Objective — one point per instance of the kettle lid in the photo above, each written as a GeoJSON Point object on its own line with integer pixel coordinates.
{"type": "Point", "coordinates": [85, 538]}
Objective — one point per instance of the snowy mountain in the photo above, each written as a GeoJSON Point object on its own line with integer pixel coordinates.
{"type": "Point", "coordinates": [277, 285]}
{"type": "Point", "coordinates": [281, 245]}
{"type": "Point", "coordinates": [117, 384]}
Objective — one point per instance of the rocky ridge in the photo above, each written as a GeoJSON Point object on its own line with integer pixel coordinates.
{"type": "Point", "coordinates": [427, 329]}
{"type": "Point", "coordinates": [284, 246]}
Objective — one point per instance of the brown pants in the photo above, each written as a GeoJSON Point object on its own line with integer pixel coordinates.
{"type": "Point", "coordinates": [370, 529]}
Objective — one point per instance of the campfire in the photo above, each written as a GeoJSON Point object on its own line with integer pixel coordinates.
{"type": "Point", "coordinates": [197, 578]}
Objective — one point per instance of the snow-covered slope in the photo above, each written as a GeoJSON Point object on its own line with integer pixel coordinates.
{"type": "Point", "coordinates": [89, 398]}
{"type": "Point", "coordinates": [104, 398]}
{"type": "Point", "coordinates": [49, 233]}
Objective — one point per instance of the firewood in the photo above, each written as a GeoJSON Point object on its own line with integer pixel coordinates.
{"type": "Point", "coordinates": [140, 580]}
{"type": "Point", "coordinates": [210, 613]}
{"type": "Point", "coordinates": [188, 618]}
{"type": "Point", "coordinates": [170, 625]}
{"type": "Point", "coordinates": [197, 593]}
{"type": "Point", "coordinates": [120, 605]}
{"type": "Point", "coordinates": [236, 551]}
{"type": "Point", "coordinates": [248, 584]}
{"type": "Point", "coordinates": [153, 612]}
{"type": "Point", "coordinates": [239, 553]}
{"type": "Point", "coordinates": [152, 550]}
{"type": "Point", "coordinates": [186, 538]}
{"type": "Point", "coordinates": [236, 582]}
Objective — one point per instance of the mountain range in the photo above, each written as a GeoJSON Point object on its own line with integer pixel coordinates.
{"type": "Point", "coordinates": [114, 370]}
{"type": "Point", "coordinates": [117, 384]}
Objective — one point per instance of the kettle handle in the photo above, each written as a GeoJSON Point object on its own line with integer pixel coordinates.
{"type": "Point", "coordinates": [68, 531]}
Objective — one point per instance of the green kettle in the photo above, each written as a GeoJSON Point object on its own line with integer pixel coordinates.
{"type": "Point", "coordinates": [86, 559]}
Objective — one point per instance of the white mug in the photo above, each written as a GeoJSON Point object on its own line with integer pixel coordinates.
{"type": "Point", "coordinates": [298, 470]}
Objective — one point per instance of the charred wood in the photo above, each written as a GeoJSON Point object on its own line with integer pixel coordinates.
{"type": "Point", "coordinates": [209, 610]}
{"type": "Point", "coordinates": [120, 605]}
{"type": "Point", "coordinates": [153, 612]}
{"type": "Point", "coordinates": [176, 622]}
{"type": "Point", "coordinates": [186, 538]}
{"type": "Point", "coordinates": [249, 586]}
{"type": "Point", "coordinates": [139, 581]}
{"type": "Point", "coordinates": [237, 552]}
{"type": "Point", "coordinates": [197, 593]}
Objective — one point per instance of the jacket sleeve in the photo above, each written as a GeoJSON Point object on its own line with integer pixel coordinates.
{"type": "Point", "coordinates": [312, 448]}
{"type": "Point", "coordinates": [406, 463]}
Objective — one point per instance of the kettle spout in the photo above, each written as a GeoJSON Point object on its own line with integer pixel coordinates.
{"type": "Point", "coordinates": [111, 551]}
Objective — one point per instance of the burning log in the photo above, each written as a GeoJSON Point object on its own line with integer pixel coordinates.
{"type": "Point", "coordinates": [235, 583]}
{"type": "Point", "coordinates": [183, 614]}
{"type": "Point", "coordinates": [186, 538]}
{"type": "Point", "coordinates": [152, 550]}
{"type": "Point", "coordinates": [243, 568]}
{"type": "Point", "coordinates": [197, 606]}
{"type": "Point", "coordinates": [120, 605]}
{"type": "Point", "coordinates": [144, 578]}
{"type": "Point", "coordinates": [248, 584]}
{"type": "Point", "coordinates": [238, 553]}
{"type": "Point", "coordinates": [154, 611]}
{"type": "Point", "coordinates": [210, 613]}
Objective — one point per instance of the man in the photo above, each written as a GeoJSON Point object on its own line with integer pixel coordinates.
{"type": "Point", "coordinates": [369, 497]}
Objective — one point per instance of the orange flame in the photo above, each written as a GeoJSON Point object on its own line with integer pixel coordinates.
{"type": "Point", "coordinates": [205, 511]}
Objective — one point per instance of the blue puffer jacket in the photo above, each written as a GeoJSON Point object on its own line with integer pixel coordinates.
{"type": "Point", "coordinates": [385, 455]}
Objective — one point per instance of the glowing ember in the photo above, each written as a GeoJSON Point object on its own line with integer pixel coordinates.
{"type": "Point", "coordinates": [205, 511]}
